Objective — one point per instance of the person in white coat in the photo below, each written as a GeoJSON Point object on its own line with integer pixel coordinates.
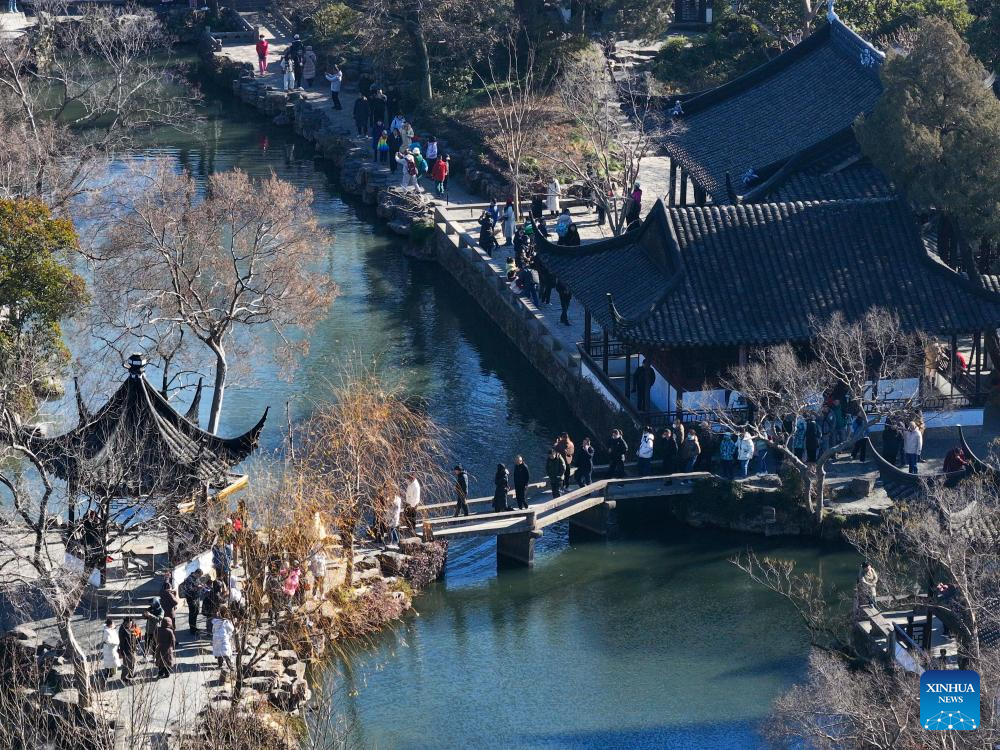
{"type": "Point", "coordinates": [644, 454]}
{"type": "Point", "coordinates": [412, 501]}
{"type": "Point", "coordinates": [553, 194]}
{"type": "Point", "coordinates": [509, 221]}
{"type": "Point", "coordinates": [744, 452]}
{"type": "Point", "coordinates": [110, 658]}
{"type": "Point", "coordinates": [913, 446]}
{"type": "Point", "coordinates": [288, 74]}
{"type": "Point", "coordinates": [222, 638]}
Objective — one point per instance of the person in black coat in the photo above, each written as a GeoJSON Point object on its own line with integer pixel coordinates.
{"type": "Point", "coordinates": [583, 458]}
{"type": "Point", "coordinates": [812, 439]}
{"type": "Point", "coordinates": [395, 143]}
{"type": "Point", "coordinates": [642, 381]}
{"type": "Point", "coordinates": [521, 478]}
{"type": "Point", "coordinates": [168, 599]}
{"type": "Point", "coordinates": [295, 54]}
{"type": "Point", "coordinates": [891, 442]}
{"type": "Point", "coordinates": [666, 451]}
{"type": "Point", "coordinates": [565, 297]}
{"type": "Point", "coordinates": [461, 491]}
{"type": "Point", "coordinates": [501, 481]}
{"type": "Point", "coordinates": [617, 450]}
{"type": "Point", "coordinates": [362, 114]}
{"type": "Point", "coordinates": [379, 105]}
{"type": "Point", "coordinates": [128, 644]}
{"type": "Point", "coordinates": [572, 236]}
{"type": "Point", "coordinates": [537, 207]}
{"type": "Point", "coordinates": [487, 240]}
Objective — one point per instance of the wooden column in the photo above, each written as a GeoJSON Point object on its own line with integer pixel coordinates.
{"type": "Point", "coordinates": [672, 190]}
{"type": "Point", "coordinates": [604, 353]}
{"type": "Point", "coordinates": [587, 330]}
{"type": "Point", "coordinates": [977, 353]}
{"type": "Point", "coordinates": [628, 372]}
{"type": "Point", "coordinates": [684, 188]}
{"type": "Point", "coordinates": [951, 367]}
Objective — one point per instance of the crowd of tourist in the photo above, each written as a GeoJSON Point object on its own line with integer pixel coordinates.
{"type": "Point", "coordinates": [215, 603]}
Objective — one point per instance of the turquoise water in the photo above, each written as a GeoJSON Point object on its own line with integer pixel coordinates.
{"type": "Point", "coordinates": [651, 641]}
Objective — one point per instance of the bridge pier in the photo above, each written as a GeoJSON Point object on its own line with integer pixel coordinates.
{"type": "Point", "coordinates": [594, 524]}
{"type": "Point", "coordinates": [516, 550]}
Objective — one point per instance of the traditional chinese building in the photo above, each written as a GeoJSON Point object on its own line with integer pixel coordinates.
{"type": "Point", "coordinates": [695, 288]}
{"type": "Point", "coordinates": [137, 456]}
{"type": "Point", "coordinates": [748, 137]}
{"type": "Point", "coordinates": [773, 215]}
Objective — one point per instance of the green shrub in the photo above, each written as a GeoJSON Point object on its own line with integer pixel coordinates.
{"type": "Point", "coordinates": [334, 25]}
{"type": "Point", "coordinates": [734, 46]}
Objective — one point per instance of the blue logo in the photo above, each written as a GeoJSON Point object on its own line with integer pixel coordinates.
{"type": "Point", "coordinates": [949, 699]}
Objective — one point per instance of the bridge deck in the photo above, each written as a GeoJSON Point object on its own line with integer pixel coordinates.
{"type": "Point", "coordinates": [550, 511]}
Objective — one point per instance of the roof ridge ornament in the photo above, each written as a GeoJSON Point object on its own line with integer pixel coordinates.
{"type": "Point", "coordinates": [136, 364]}
{"type": "Point", "coordinates": [677, 109]}
{"type": "Point", "coordinates": [868, 58]}
{"type": "Point", "coordinates": [831, 14]}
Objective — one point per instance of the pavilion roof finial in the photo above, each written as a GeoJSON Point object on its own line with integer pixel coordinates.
{"type": "Point", "coordinates": [831, 14]}
{"type": "Point", "coordinates": [136, 364]}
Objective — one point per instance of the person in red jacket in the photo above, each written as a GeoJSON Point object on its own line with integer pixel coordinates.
{"type": "Point", "coordinates": [262, 54]}
{"type": "Point", "coordinates": [439, 173]}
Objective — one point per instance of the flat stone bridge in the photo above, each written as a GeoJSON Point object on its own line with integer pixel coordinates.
{"type": "Point", "coordinates": [590, 511]}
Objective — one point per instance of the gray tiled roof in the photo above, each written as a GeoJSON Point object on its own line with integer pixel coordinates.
{"type": "Point", "coordinates": [138, 444]}
{"type": "Point", "coordinates": [755, 273]}
{"type": "Point", "coordinates": [833, 170]}
{"type": "Point", "coordinates": [802, 97]}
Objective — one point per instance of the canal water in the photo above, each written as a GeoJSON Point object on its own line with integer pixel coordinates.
{"type": "Point", "coordinates": [651, 641]}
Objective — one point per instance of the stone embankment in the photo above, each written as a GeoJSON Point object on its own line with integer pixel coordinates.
{"type": "Point", "coordinates": [310, 116]}
{"type": "Point", "coordinates": [551, 350]}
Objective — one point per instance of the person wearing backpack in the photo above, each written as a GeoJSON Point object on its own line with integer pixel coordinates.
{"type": "Point", "coordinates": [409, 165]}
{"type": "Point", "coordinates": [288, 74]}
{"type": "Point", "coordinates": [420, 160]}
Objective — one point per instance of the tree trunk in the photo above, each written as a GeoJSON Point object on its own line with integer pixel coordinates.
{"type": "Point", "coordinates": [81, 670]}
{"type": "Point", "coordinates": [221, 369]}
{"type": "Point", "coordinates": [347, 539]}
{"type": "Point", "coordinates": [423, 59]}
{"type": "Point", "coordinates": [239, 642]}
{"type": "Point", "coordinates": [820, 489]}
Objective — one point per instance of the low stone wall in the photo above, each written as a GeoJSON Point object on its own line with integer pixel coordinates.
{"type": "Point", "coordinates": [558, 365]}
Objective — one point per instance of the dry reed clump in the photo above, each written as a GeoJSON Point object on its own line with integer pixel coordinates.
{"type": "Point", "coordinates": [369, 612]}
{"type": "Point", "coordinates": [424, 563]}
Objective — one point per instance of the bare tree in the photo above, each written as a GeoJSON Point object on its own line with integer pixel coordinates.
{"type": "Point", "coordinates": [945, 544]}
{"type": "Point", "coordinates": [247, 257]}
{"type": "Point", "coordinates": [359, 448]}
{"type": "Point", "coordinates": [617, 141]}
{"type": "Point", "coordinates": [75, 92]}
{"type": "Point", "coordinates": [864, 359]}
{"type": "Point", "coordinates": [841, 706]}
{"type": "Point", "coordinates": [947, 539]}
{"type": "Point", "coordinates": [514, 105]}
